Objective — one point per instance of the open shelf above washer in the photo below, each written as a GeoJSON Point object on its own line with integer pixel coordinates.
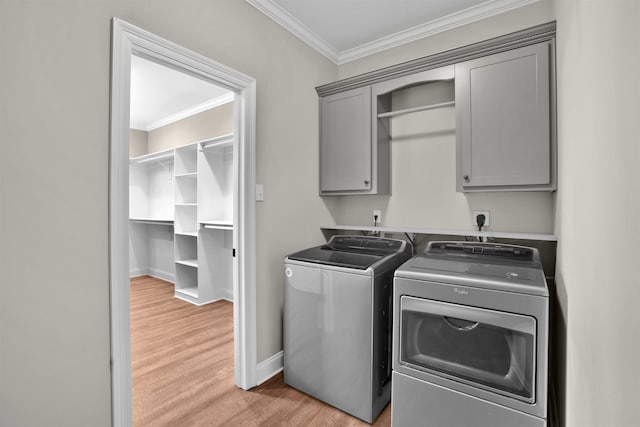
{"type": "Point", "coordinates": [416, 109]}
{"type": "Point", "coordinates": [469, 233]}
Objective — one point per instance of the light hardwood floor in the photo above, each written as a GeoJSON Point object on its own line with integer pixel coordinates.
{"type": "Point", "coordinates": [182, 366]}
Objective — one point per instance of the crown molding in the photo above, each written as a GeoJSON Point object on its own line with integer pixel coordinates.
{"type": "Point", "coordinates": [538, 34]}
{"type": "Point", "coordinates": [207, 105]}
{"type": "Point", "coordinates": [297, 28]}
{"type": "Point", "coordinates": [458, 19]}
{"type": "Point", "coordinates": [464, 17]}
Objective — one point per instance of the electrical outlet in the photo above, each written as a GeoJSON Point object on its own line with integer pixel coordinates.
{"type": "Point", "coordinates": [377, 217]}
{"type": "Point", "coordinates": [474, 218]}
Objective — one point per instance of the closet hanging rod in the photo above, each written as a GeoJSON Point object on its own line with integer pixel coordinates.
{"type": "Point", "coordinates": [168, 222]}
{"type": "Point", "coordinates": [152, 158]}
{"type": "Point", "coordinates": [416, 109]}
{"type": "Point", "coordinates": [218, 226]}
{"type": "Point", "coordinates": [217, 142]}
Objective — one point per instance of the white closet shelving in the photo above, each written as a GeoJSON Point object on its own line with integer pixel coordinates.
{"type": "Point", "coordinates": [215, 214]}
{"type": "Point", "coordinates": [186, 226]}
{"type": "Point", "coordinates": [188, 193]}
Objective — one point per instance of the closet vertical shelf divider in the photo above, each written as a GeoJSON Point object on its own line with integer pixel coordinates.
{"type": "Point", "coordinates": [186, 226]}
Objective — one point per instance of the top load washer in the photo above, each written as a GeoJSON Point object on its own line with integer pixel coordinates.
{"type": "Point", "coordinates": [470, 348]}
{"type": "Point", "coordinates": [337, 321]}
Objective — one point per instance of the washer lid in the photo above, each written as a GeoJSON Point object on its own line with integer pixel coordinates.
{"type": "Point", "coordinates": [328, 256]}
{"type": "Point", "coordinates": [358, 252]}
{"type": "Point", "coordinates": [481, 265]}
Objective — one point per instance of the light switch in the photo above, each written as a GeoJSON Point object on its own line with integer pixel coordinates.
{"type": "Point", "coordinates": [259, 193]}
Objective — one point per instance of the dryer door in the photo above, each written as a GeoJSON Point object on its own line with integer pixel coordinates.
{"type": "Point", "coordinates": [488, 349]}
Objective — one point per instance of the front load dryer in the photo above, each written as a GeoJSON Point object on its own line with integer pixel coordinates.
{"type": "Point", "coordinates": [470, 341]}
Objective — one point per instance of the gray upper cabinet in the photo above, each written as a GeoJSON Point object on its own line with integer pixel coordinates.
{"type": "Point", "coordinates": [348, 158]}
{"type": "Point", "coordinates": [505, 116]}
{"type": "Point", "coordinates": [504, 126]}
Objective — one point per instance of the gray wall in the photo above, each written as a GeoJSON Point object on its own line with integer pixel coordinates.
{"type": "Point", "coordinates": [207, 124]}
{"type": "Point", "coordinates": [54, 119]}
{"type": "Point", "coordinates": [598, 211]}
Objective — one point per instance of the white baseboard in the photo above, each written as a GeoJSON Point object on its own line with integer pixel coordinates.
{"type": "Point", "coordinates": [153, 272]}
{"type": "Point", "coordinates": [269, 367]}
{"type": "Point", "coordinates": [159, 274]}
{"type": "Point", "coordinates": [137, 272]}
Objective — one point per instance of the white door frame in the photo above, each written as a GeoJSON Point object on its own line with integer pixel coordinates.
{"type": "Point", "coordinates": [126, 41]}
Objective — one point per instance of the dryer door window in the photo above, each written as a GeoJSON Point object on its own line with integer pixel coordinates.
{"type": "Point", "coordinates": [488, 349]}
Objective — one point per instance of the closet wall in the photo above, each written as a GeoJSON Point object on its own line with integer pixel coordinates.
{"type": "Point", "coordinates": [207, 124]}
{"type": "Point", "coordinates": [138, 142]}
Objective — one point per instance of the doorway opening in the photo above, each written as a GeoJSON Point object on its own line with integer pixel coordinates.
{"type": "Point", "coordinates": [206, 233]}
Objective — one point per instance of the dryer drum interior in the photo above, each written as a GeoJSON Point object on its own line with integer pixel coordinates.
{"type": "Point", "coordinates": [488, 356]}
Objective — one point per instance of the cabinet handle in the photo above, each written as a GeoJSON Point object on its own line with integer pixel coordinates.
{"type": "Point", "coordinates": [366, 182]}
{"type": "Point", "coordinates": [466, 178]}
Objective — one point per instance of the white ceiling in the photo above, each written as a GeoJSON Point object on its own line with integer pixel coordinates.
{"type": "Point", "coordinates": [161, 95]}
{"type": "Point", "coordinates": [346, 30]}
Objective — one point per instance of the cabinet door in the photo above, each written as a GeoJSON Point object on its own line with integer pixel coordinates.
{"type": "Point", "coordinates": [503, 124]}
{"type": "Point", "coordinates": [345, 141]}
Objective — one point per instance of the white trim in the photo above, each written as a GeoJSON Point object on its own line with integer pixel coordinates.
{"type": "Point", "coordinates": [244, 239]}
{"type": "Point", "coordinates": [297, 28]}
{"type": "Point", "coordinates": [270, 367]}
{"type": "Point", "coordinates": [167, 276]}
{"type": "Point", "coordinates": [227, 295]}
{"type": "Point", "coordinates": [126, 41]}
{"type": "Point", "coordinates": [158, 274]}
{"type": "Point", "coordinates": [454, 20]}
{"type": "Point", "coordinates": [207, 105]}
{"type": "Point", "coordinates": [118, 228]}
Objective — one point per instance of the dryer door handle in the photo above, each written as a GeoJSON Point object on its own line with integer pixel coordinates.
{"type": "Point", "coordinates": [467, 313]}
{"type": "Point", "coordinates": [460, 324]}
